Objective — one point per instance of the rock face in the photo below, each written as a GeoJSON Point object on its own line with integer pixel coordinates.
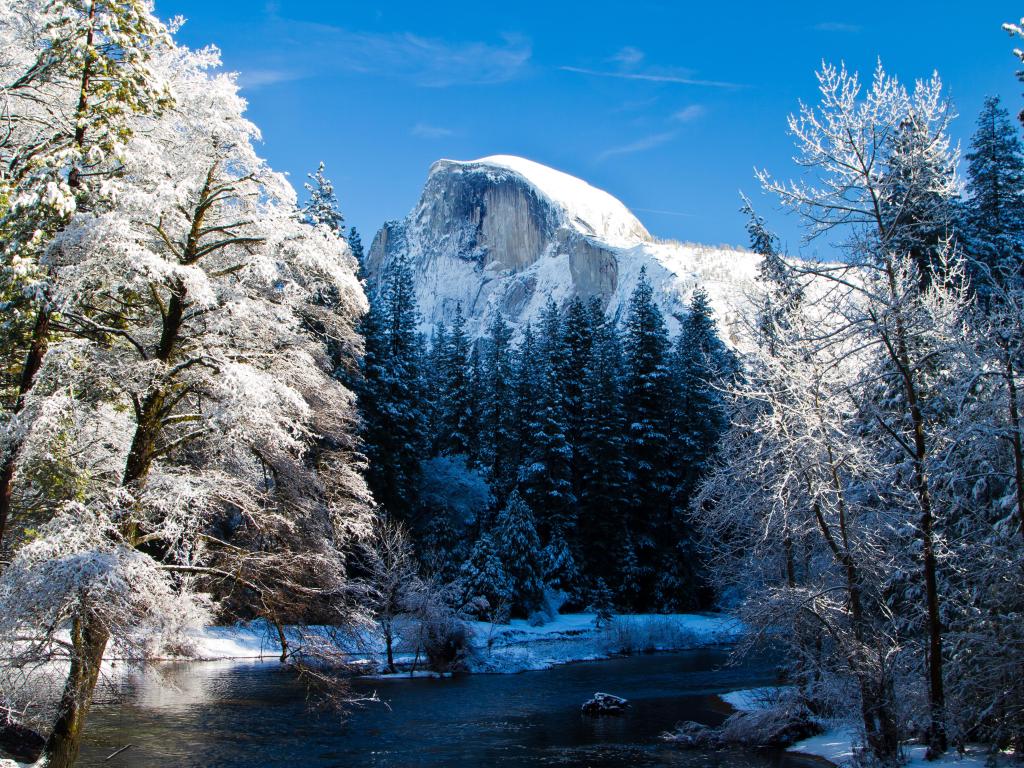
{"type": "Point", "coordinates": [501, 234]}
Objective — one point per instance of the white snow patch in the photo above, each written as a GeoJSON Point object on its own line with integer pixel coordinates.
{"type": "Point", "coordinates": [750, 699]}
{"type": "Point", "coordinates": [838, 743]}
{"type": "Point", "coordinates": [504, 648]}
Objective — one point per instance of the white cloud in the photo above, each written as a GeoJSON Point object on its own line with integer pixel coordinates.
{"type": "Point", "coordinates": [258, 78]}
{"type": "Point", "coordinates": [690, 113]}
{"type": "Point", "coordinates": [640, 145]}
{"type": "Point", "coordinates": [654, 76]}
{"type": "Point", "coordinates": [628, 56]}
{"type": "Point", "coordinates": [427, 131]}
{"type": "Point", "coordinates": [318, 49]}
{"type": "Point", "coordinates": [836, 26]}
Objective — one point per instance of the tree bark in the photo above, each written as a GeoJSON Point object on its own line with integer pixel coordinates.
{"type": "Point", "coordinates": [89, 640]}
{"type": "Point", "coordinates": [898, 352]}
{"type": "Point", "coordinates": [1018, 449]}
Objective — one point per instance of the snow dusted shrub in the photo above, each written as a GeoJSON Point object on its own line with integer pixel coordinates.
{"type": "Point", "coordinates": [442, 634]}
{"type": "Point", "coordinates": [645, 634]}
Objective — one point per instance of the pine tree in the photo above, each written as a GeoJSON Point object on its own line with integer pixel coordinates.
{"type": "Point", "coordinates": [994, 211]}
{"type": "Point", "coordinates": [602, 603]}
{"type": "Point", "coordinates": [575, 352]}
{"type": "Point", "coordinates": [515, 537]}
{"type": "Point", "coordinates": [560, 567]}
{"type": "Point", "coordinates": [545, 477]}
{"type": "Point", "coordinates": [648, 450]}
{"type": "Point", "coordinates": [703, 366]}
{"type": "Point", "coordinates": [603, 498]}
{"type": "Point", "coordinates": [483, 575]}
{"type": "Point", "coordinates": [918, 208]}
{"type": "Point", "coordinates": [459, 428]}
{"type": "Point", "coordinates": [355, 243]}
{"type": "Point", "coordinates": [527, 387]}
{"type": "Point", "coordinates": [392, 392]}
{"type": "Point", "coordinates": [436, 376]}
{"type": "Point", "coordinates": [472, 429]}
{"type": "Point", "coordinates": [499, 441]}
{"type": "Point", "coordinates": [321, 210]}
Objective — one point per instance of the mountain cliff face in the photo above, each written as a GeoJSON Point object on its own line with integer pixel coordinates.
{"type": "Point", "coordinates": [501, 234]}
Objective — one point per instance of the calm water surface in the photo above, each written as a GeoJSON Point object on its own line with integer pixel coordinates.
{"type": "Point", "coordinates": [222, 715]}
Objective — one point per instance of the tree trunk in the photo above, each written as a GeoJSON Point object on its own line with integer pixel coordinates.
{"type": "Point", "coordinates": [388, 641]}
{"type": "Point", "coordinates": [283, 639]}
{"type": "Point", "coordinates": [937, 739]}
{"type": "Point", "coordinates": [900, 357]}
{"type": "Point", "coordinates": [33, 362]}
{"type": "Point", "coordinates": [1018, 449]}
{"type": "Point", "coordinates": [89, 641]}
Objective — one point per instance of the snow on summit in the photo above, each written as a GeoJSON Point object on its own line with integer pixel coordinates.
{"type": "Point", "coordinates": [502, 234]}
{"type": "Point", "coordinates": [592, 210]}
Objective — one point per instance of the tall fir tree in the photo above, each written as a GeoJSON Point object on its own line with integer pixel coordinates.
{"type": "Point", "coordinates": [355, 245]}
{"type": "Point", "coordinates": [603, 521]}
{"type": "Point", "coordinates": [527, 387]}
{"type": "Point", "coordinates": [703, 366]}
{"type": "Point", "coordinates": [455, 423]}
{"type": "Point", "coordinates": [484, 575]}
{"type": "Point", "coordinates": [648, 449]}
{"type": "Point", "coordinates": [436, 375]}
{"type": "Point", "coordinates": [518, 547]}
{"type": "Point", "coordinates": [392, 392]}
{"type": "Point", "coordinates": [322, 207]}
{"type": "Point", "coordinates": [545, 475]}
{"type": "Point", "coordinates": [575, 353]}
{"type": "Point", "coordinates": [918, 208]}
{"type": "Point", "coordinates": [499, 441]}
{"type": "Point", "coordinates": [994, 211]}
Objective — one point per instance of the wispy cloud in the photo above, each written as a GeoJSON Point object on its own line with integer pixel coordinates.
{"type": "Point", "coordinates": [316, 49]}
{"type": "Point", "coordinates": [628, 56]}
{"type": "Point", "coordinates": [640, 145]}
{"type": "Point", "coordinates": [252, 79]}
{"type": "Point", "coordinates": [690, 113]}
{"type": "Point", "coordinates": [664, 213]}
{"type": "Point", "coordinates": [427, 131]}
{"type": "Point", "coordinates": [653, 76]}
{"type": "Point", "coordinates": [837, 26]}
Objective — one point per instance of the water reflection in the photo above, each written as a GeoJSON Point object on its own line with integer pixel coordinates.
{"type": "Point", "coordinates": [256, 715]}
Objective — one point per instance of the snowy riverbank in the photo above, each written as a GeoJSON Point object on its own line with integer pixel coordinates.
{"type": "Point", "coordinates": [505, 648]}
{"type": "Point", "coordinates": [838, 742]}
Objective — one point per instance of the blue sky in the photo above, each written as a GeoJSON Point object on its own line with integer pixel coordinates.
{"type": "Point", "coordinates": [666, 105]}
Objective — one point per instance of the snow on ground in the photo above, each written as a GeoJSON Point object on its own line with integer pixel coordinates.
{"type": "Point", "coordinates": [512, 647]}
{"type": "Point", "coordinates": [838, 743]}
{"type": "Point", "coordinates": [750, 699]}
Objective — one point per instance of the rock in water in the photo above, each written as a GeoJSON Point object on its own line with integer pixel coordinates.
{"type": "Point", "coordinates": [501, 234]}
{"type": "Point", "coordinates": [604, 704]}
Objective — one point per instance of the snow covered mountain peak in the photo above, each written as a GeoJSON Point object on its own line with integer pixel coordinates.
{"type": "Point", "coordinates": [592, 211]}
{"type": "Point", "coordinates": [502, 234]}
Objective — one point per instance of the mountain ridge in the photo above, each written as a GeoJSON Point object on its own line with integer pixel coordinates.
{"type": "Point", "coordinates": [502, 233]}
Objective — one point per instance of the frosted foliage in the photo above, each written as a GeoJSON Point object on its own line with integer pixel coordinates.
{"type": "Point", "coordinates": [79, 560]}
{"type": "Point", "coordinates": [187, 405]}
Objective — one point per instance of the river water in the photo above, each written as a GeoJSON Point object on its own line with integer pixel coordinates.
{"type": "Point", "coordinates": [229, 715]}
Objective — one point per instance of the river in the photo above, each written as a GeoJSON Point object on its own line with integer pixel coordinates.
{"type": "Point", "coordinates": [230, 715]}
